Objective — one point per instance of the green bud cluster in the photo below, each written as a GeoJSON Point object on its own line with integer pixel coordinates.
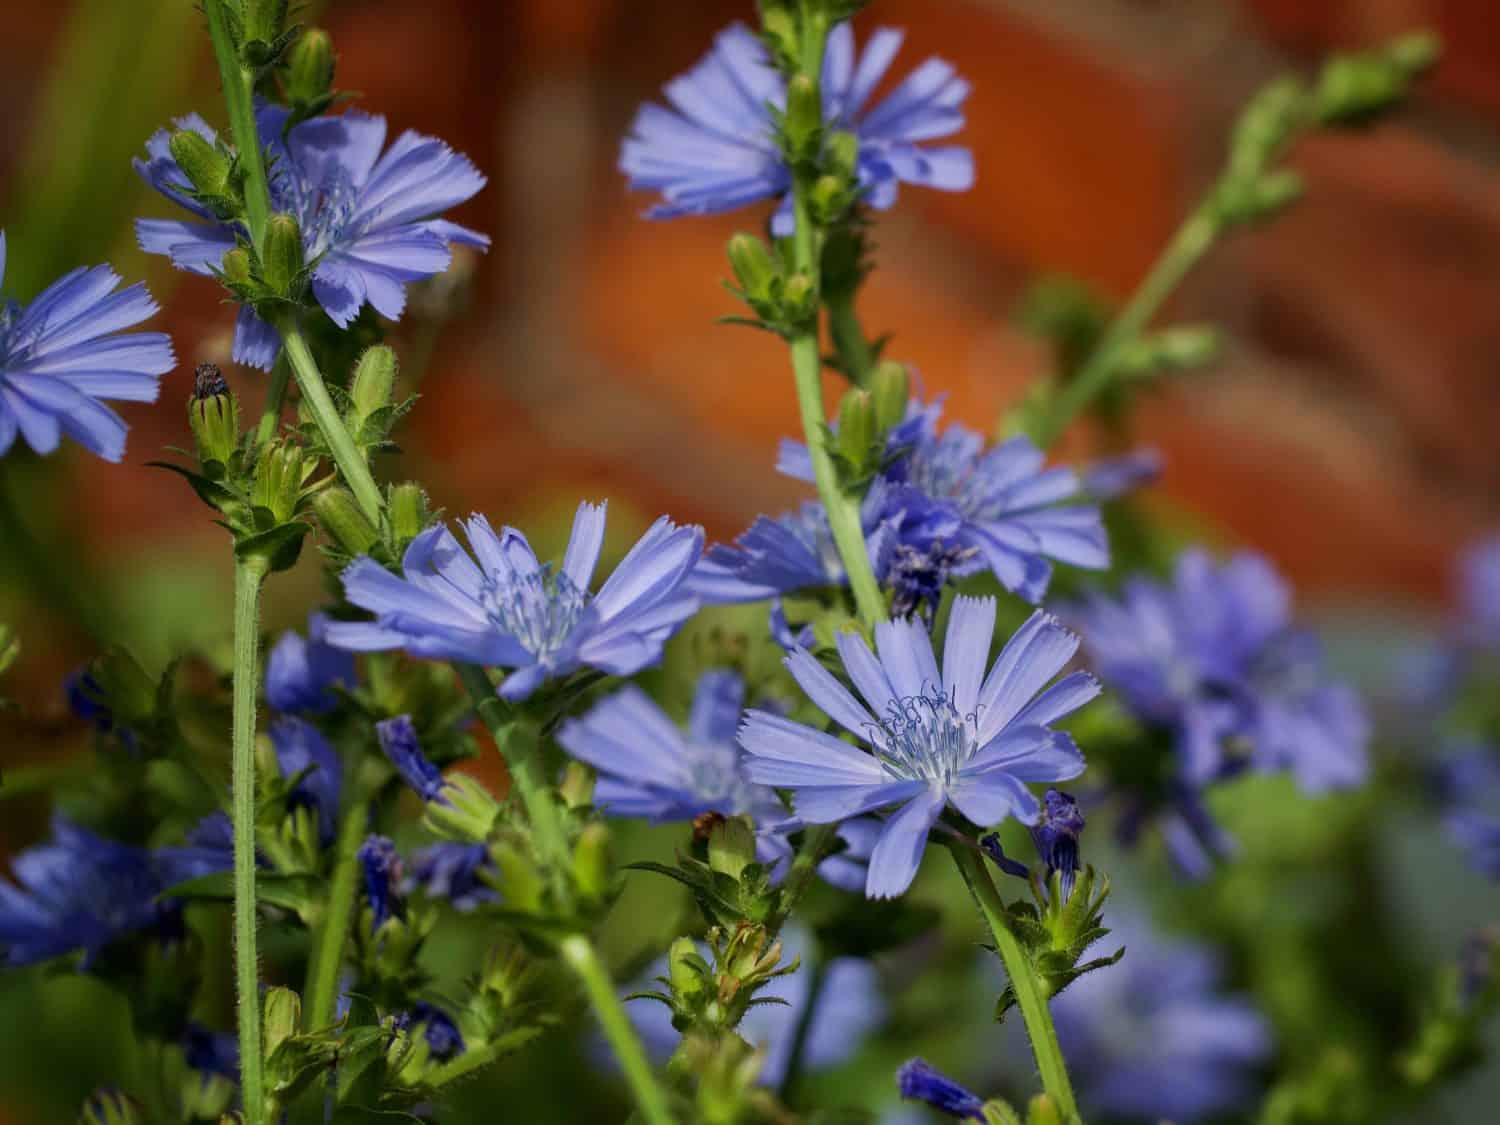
{"type": "Point", "coordinates": [783, 302]}
{"type": "Point", "coordinates": [712, 996]}
{"type": "Point", "coordinates": [866, 418]}
{"type": "Point", "coordinates": [1056, 931]}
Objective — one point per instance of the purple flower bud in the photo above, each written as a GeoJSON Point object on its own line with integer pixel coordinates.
{"type": "Point", "coordinates": [921, 1083]}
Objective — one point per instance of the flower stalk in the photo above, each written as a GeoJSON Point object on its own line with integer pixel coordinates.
{"type": "Point", "coordinates": [239, 99]}
{"type": "Point", "coordinates": [321, 991]}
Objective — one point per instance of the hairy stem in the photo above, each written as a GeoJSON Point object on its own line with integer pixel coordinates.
{"type": "Point", "coordinates": [351, 462]}
{"type": "Point", "coordinates": [816, 844]}
{"type": "Point", "coordinates": [321, 991]}
{"type": "Point", "coordinates": [581, 957]}
{"type": "Point", "coordinates": [1029, 995]}
{"type": "Point", "coordinates": [270, 416]}
{"type": "Point", "coordinates": [239, 99]}
{"type": "Point", "coordinates": [249, 575]}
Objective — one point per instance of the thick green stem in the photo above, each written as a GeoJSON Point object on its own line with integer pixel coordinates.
{"type": "Point", "coordinates": [1029, 995]}
{"type": "Point", "coordinates": [321, 992]}
{"type": "Point", "coordinates": [249, 574]}
{"type": "Point", "coordinates": [581, 957]}
{"type": "Point", "coordinates": [270, 416]}
{"type": "Point", "coordinates": [351, 462]}
{"type": "Point", "coordinates": [1187, 248]}
{"type": "Point", "coordinates": [850, 343]}
{"type": "Point", "coordinates": [239, 99]}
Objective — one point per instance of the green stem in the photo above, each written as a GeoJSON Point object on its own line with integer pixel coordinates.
{"type": "Point", "coordinates": [239, 99]}
{"type": "Point", "coordinates": [816, 968]}
{"type": "Point", "coordinates": [270, 417]}
{"type": "Point", "coordinates": [321, 992]}
{"type": "Point", "coordinates": [1187, 248]}
{"type": "Point", "coordinates": [849, 340]}
{"type": "Point", "coordinates": [581, 957]}
{"type": "Point", "coordinates": [1029, 995]}
{"type": "Point", "coordinates": [816, 844]}
{"type": "Point", "coordinates": [249, 574]}
{"type": "Point", "coordinates": [351, 462]}
{"type": "Point", "coordinates": [521, 750]}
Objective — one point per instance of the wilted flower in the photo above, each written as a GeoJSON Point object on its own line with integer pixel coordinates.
{"type": "Point", "coordinates": [65, 354]}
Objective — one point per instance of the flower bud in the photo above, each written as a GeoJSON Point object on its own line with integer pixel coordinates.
{"type": "Point", "coordinates": [110, 1107]}
{"type": "Point", "coordinates": [517, 878]}
{"type": "Point", "coordinates": [374, 382]}
{"type": "Point", "coordinates": [856, 437]}
{"type": "Point", "coordinates": [342, 521]}
{"type": "Point", "coordinates": [843, 155]}
{"type": "Point", "coordinates": [1266, 125]}
{"type": "Point", "coordinates": [779, 29]}
{"type": "Point", "coordinates": [283, 1018]}
{"type": "Point", "coordinates": [201, 161]}
{"type": "Point", "coordinates": [235, 266]}
{"type": "Point", "coordinates": [800, 298]}
{"type": "Point", "coordinates": [686, 968]}
{"type": "Point", "coordinates": [593, 867]}
{"type": "Point", "coordinates": [206, 1096]}
{"type": "Point", "coordinates": [463, 810]}
{"type": "Point", "coordinates": [804, 117]}
{"type": "Point", "coordinates": [263, 22]}
{"type": "Point", "coordinates": [310, 69]}
{"type": "Point", "coordinates": [279, 475]}
{"type": "Point", "coordinates": [577, 786]}
{"type": "Point", "coordinates": [731, 846]}
{"type": "Point", "coordinates": [1044, 1111]}
{"type": "Point", "coordinates": [213, 416]}
{"type": "Point", "coordinates": [1259, 199]}
{"type": "Point", "coordinates": [753, 266]}
{"type": "Point", "coordinates": [890, 387]}
{"type": "Point", "coordinates": [408, 512]}
{"type": "Point", "coordinates": [282, 259]}
{"type": "Point", "coordinates": [10, 648]}
{"type": "Point", "coordinates": [829, 198]}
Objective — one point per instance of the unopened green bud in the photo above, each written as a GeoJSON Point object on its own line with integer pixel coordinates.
{"type": "Point", "coordinates": [890, 387]}
{"type": "Point", "coordinates": [111, 1107]}
{"type": "Point", "coordinates": [279, 475]}
{"type": "Point", "coordinates": [311, 64]}
{"type": "Point", "coordinates": [593, 867]}
{"type": "Point", "coordinates": [235, 266]}
{"type": "Point", "coordinates": [374, 381]}
{"type": "Point", "coordinates": [1262, 198]}
{"type": "Point", "coordinates": [779, 27]}
{"type": "Point", "coordinates": [263, 22]}
{"type": "Point", "coordinates": [686, 968]}
{"type": "Point", "coordinates": [843, 155]}
{"type": "Point", "coordinates": [201, 161]}
{"type": "Point", "coordinates": [408, 510]}
{"type": "Point", "coordinates": [343, 521]}
{"type": "Point", "coordinates": [282, 259]}
{"type": "Point", "coordinates": [213, 416]}
{"type": "Point", "coordinates": [804, 116]}
{"type": "Point", "coordinates": [753, 266]}
{"type": "Point", "coordinates": [1174, 349]}
{"type": "Point", "coordinates": [516, 876]}
{"type": "Point", "coordinates": [1416, 53]}
{"type": "Point", "coordinates": [731, 846]}
{"type": "Point", "coordinates": [465, 811]}
{"type": "Point", "coordinates": [829, 198]}
{"type": "Point", "coordinates": [283, 1017]}
{"type": "Point", "coordinates": [1266, 124]}
{"type": "Point", "coordinates": [1355, 89]}
{"type": "Point", "coordinates": [577, 786]}
{"type": "Point", "coordinates": [800, 298]}
{"type": "Point", "coordinates": [10, 648]}
{"type": "Point", "coordinates": [997, 1112]}
{"type": "Point", "coordinates": [856, 437]}
{"type": "Point", "coordinates": [1043, 1110]}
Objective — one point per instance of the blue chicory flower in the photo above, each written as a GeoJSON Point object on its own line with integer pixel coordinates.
{"type": "Point", "coordinates": [716, 148]}
{"type": "Point", "coordinates": [302, 672]}
{"type": "Point", "coordinates": [78, 891]}
{"type": "Point", "coordinates": [302, 752]}
{"type": "Point", "coordinates": [510, 611]}
{"type": "Point", "coordinates": [452, 871]}
{"type": "Point", "coordinates": [369, 219]}
{"type": "Point", "coordinates": [1154, 1038]}
{"type": "Point", "coordinates": [936, 738]}
{"type": "Point", "coordinates": [1479, 594]}
{"type": "Point", "coordinates": [921, 1082]}
{"type": "Point", "coordinates": [444, 1040]}
{"type": "Point", "coordinates": [1468, 783]}
{"type": "Point", "coordinates": [384, 874]}
{"type": "Point", "coordinates": [63, 356]}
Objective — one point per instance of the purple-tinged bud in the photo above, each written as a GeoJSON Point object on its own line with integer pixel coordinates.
{"type": "Point", "coordinates": [383, 873]}
{"type": "Point", "coordinates": [919, 1082]}
{"type": "Point", "coordinates": [1056, 836]}
{"type": "Point", "coordinates": [398, 739]}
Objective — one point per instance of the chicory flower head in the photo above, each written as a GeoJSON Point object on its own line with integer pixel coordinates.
{"type": "Point", "coordinates": [508, 610]}
{"type": "Point", "coordinates": [66, 353]}
{"type": "Point", "coordinates": [302, 672]}
{"type": "Point", "coordinates": [369, 219]}
{"type": "Point", "coordinates": [715, 149]}
{"type": "Point", "coordinates": [921, 1082]}
{"type": "Point", "coordinates": [935, 738]}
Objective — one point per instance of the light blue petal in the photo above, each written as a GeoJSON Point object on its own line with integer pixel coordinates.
{"type": "Point", "coordinates": [897, 855]}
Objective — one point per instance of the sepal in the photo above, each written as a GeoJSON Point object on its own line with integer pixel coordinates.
{"type": "Point", "coordinates": [108, 1106]}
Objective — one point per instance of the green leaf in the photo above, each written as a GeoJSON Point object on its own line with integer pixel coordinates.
{"type": "Point", "coordinates": [280, 546]}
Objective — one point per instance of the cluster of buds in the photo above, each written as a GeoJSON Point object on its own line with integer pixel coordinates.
{"type": "Point", "coordinates": [713, 996]}
{"type": "Point", "coordinates": [861, 446]}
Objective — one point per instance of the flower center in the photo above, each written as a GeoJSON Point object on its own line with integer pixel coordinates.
{"type": "Point", "coordinates": [322, 198]}
{"type": "Point", "coordinates": [925, 738]}
{"type": "Point", "coordinates": [946, 468]}
{"type": "Point", "coordinates": [539, 609]}
{"type": "Point", "coordinates": [714, 777]}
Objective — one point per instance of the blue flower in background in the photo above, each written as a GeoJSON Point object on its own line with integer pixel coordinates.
{"type": "Point", "coordinates": [384, 874]}
{"type": "Point", "coordinates": [302, 672]}
{"type": "Point", "coordinates": [715, 148]}
{"type": "Point", "coordinates": [1468, 783]}
{"type": "Point", "coordinates": [78, 891]}
{"type": "Point", "coordinates": [65, 354]}
{"type": "Point", "coordinates": [510, 611]}
{"type": "Point", "coordinates": [1479, 594]}
{"type": "Point", "coordinates": [444, 1040]}
{"type": "Point", "coordinates": [452, 871]}
{"type": "Point", "coordinates": [211, 1052]}
{"type": "Point", "coordinates": [1115, 477]}
{"type": "Point", "coordinates": [1154, 1038]}
{"type": "Point", "coordinates": [849, 1008]}
{"type": "Point", "coordinates": [398, 740]}
{"type": "Point", "coordinates": [369, 219]}
{"type": "Point", "coordinates": [209, 850]}
{"type": "Point", "coordinates": [920, 1082]}
{"type": "Point", "coordinates": [302, 752]}
{"type": "Point", "coordinates": [957, 737]}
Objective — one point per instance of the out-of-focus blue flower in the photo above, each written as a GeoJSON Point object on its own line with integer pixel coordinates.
{"type": "Point", "coordinates": [451, 871]}
{"type": "Point", "coordinates": [954, 736]}
{"type": "Point", "coordinates": [1215, 659]}
{"type": "Point", "coordinates": [302, 672]}
{"type": "Point", "coordinates": [66, 354]}
{"type": "Point", "coordinates": [510, 611]}
{"type": "Point", "coordinates": [78, 891]}
{"type": "Point", "coordinates": [398, 739]}
{"type": "Point", "coordinates": [716, 148]}
{"type": "Point", "coordinates": [302, 752]}
{"type": "Point", "coordinates": [849, 1007]}
{"type": "Point", "coordinates": [369, 219]}
{"type": "Point", "coordinates": [1468, 779]}
{"type": "Point", "coordinates": [444, 1040]}
{"type": "Point", "coordinates": [211, 1052]}
{"type": "Point", "coordinates": [383, 878]}
{"type": "Point", "coordinates": [1153, 1037]}
{"type": "Point", "coordinates": [920, 1082]}
{"type": "Point", "coordinates": [209, 850]}
{"type": "Point", "coordinates": [1115, 477]}
{"type": "Point", "coordinates": [1479, 594]}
